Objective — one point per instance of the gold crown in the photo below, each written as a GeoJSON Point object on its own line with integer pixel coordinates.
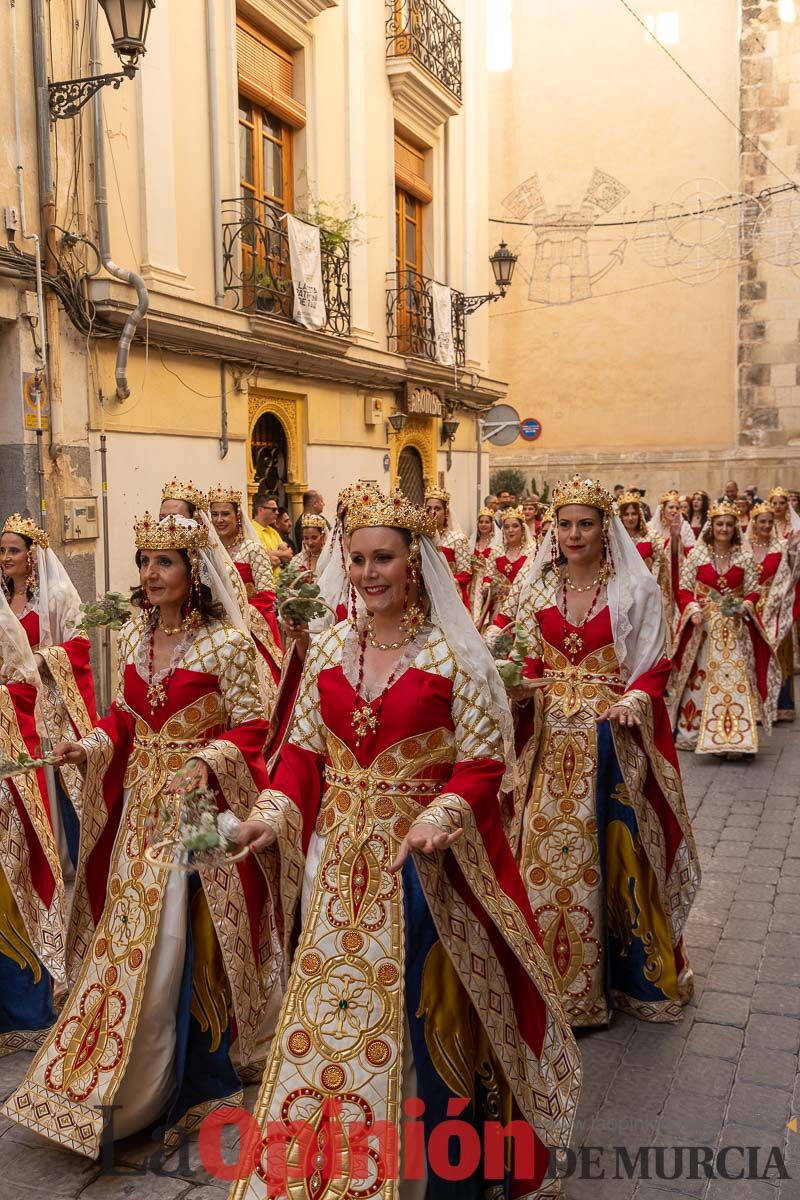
{"type": "Point", "coordinates": [222, 494]}
{"type": "Point", "coordinates": [581, 491]}
{"type": "Point", "coordinates": [775, 492]}
{"type": "Point", "coordinates": [723, 509]}
{"type": "Point", "coordinates": [434, 492]}
{"type": "Point", "coordinates": [396, 512]}
{"type": "Point", "coordinates": [512, 514]}
{"type": "Point", "coordinates": [188, 492]}
{"type": "Point", "coordinates": [760, 510]}
{"type": "Point", "coordinates": [362, 487]}
{"type": "Point", "coordinates": [487, 512]}
{"type": "Point", "coordinates": [670, 495]}
{"type": "Point", "coordinates": [313, 521]}
{"type": "Point", "coordinates": [170, 533]}
{"type": "Point", "coordinates": [628, 498]}
{"type": "Point", "coordinates": [27, 528]}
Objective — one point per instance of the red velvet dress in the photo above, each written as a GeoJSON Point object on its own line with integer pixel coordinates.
{"type": "Point", "coordinates": [252, 563]}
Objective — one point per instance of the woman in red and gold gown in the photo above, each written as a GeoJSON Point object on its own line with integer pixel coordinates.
{"type": "Point", "coordinates": [418, 977]}
{"type": "Point", "coordinates": [606, 848]}
{"type": "Point", "coordinates": [451, 541]}
{"type": "Point", "coordinates": [517, 549]}
{"type": "Point", "coordinates": [725, 675]}
{"type": "Point", "coordinates": [778, 605]}
{"type": "Point", "coordinates": [651, 552]}
{"type": "Point", "coordinates": [171, 973]}
{"type": "Point", "coordinates": [699, 504]}
{"type": "Point", "coordinates": [673, 533]}
{"type": "Point", "coordinates": [47, 604]}
{"type": "Point", "coordinates": [32, 900]}
{"type": "Point", "coordinates": [252, 562]}
{"type": "Point", "coordinates": [483, 555]}
{"type": "Point", "coordinates": [315, 533]}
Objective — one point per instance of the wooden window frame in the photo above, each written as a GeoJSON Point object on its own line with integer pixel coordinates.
{"type": "Point", "coordinates": [256, 190]}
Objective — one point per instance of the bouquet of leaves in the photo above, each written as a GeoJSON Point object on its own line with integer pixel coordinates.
{"type": "Point", "coordinates": [509, 652]}
{"type": "Point", "coordinates": [24, 763]}
{"type": "Point", "coordinates": [186, 831]}
{"type": "Point", "coordinates": [728, 604]}
{"type": "Point", "coordinates": [111, 611]}
{"type": "Point", "coordinates": [298, 595]}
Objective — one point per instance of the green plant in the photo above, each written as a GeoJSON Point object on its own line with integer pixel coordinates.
{"type": "Point", "coordinates": [337, 229]}
{"type": "Point", "coordinates": [544, 493]}
{"type": "Point", "coordinates": [507, 479]}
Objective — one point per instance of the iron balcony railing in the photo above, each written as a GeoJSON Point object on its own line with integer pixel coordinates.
{"type": "Point", "coordinates": [257, 274]}
{"type": "Point", "coordinates": [426, 30]}
{"type": "Point", "coordinates": [409, 316]}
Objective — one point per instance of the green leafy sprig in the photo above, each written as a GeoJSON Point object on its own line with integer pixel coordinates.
{"type": "Point", "coordinates": [298, 596]}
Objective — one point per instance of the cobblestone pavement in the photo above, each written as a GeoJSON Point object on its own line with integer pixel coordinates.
{"type": "Point", "coordinates": [725, 1076]}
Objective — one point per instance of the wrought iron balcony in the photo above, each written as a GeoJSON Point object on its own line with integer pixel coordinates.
{"type": "Point", "coordinates": [257, 274]}
{"type": "Point", "coordinates": [409, 316]}
{"type": "Point", "coordinates": [427, 31]}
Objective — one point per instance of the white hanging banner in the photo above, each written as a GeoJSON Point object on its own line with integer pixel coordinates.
{"type": "Point", "coordinates": [442, 300]}
{"type": "Point", "coordinates": [305, 258]}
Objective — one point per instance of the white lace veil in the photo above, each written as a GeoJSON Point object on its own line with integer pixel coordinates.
{"type": "Point", "coordinates": [657, 527]}
{"type": "Point", "coordinates": [248, 528]}
{"type": "Point", "coordinates": [634, 601]}
{"type": "Point", "coordinates": [17, 664]}
{"type": "Point", "coordinates": [467, 646]}
{"type": "Point", "coordinates": [221, 556]}
{"type": "Point", "coordinates": [57, 602]}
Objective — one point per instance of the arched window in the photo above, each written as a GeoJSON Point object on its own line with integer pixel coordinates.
{"type": "Point", "coordinates": [409, 470]}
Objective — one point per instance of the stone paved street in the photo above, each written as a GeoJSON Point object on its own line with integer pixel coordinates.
{"type": "Point", "coordinates": [727, 1075]}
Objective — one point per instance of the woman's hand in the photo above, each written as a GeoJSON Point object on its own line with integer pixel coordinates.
{"type": "Point", "coordinates": [697, 618]}
{"type": "Point", "coordinates": [297, 633]}
{"type": "Point", "coordinates": [193, 774]}
{"type": "Point", "coordinates": [622, 715]}
{"type": "Point", "coordinates": [426, 839]}
{"type": "Point", "coordinates": [69, 752]}
{"type": "Point", "coordinates": [256, 835]}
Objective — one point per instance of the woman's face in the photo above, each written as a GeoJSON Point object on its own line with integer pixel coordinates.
{"type": "Point", "coordinates": [438, 510]}
{"type": "Point", "coordinates": [14, 557]}
{"type": "Point", "coordinates": [742, 506]}
{"type": "Point", "coordinates": [379, 569]}
{"type": "Point", "coordinates": [630, 517]}
{"type": "Point", "coordinates": [763, 525]}
{"type": "Point", "coordinates": [529, 510]}
{"type": "Point", "coordinates": [671, 510]}
{"type": "Point", "coordinates": [684, 507]}
{"type": "Point", "coordinates": [163, 576]}
{"type": "Point", "coordinates": [175, 508]}
{"type": "Point", "coordinates": [580, 534]}
{"type": "Point", "coordinates": [780, 506]}
{"type": "Point", "coordinates": [794, 500]}
{"type": "Point", "coordinates": [485, 526]}
{"type": "Point", "coordinates": [225, 520]}
{"type": "Point", "coordinates": [722, 528]}
{"type": "Point", "coordinates": [313, 540]}
{"type": "Point", "coordinates": [512, 532]}
{"type": "Point", "coordinates": [697, 502]}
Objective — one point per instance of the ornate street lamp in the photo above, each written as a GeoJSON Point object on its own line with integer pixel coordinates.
{"type": "Point", "coordinates": [128, 21]}
{"type": "Point", "coordinates": [503, 262]}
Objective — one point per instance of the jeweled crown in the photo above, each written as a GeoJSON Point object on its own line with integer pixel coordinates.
{"type": "Point", "coordinates": [487, 512]}
{"type": "Point", "coordinates": [512, 514]}
{"type": "Point", "coordinates": [760, 510]}
{"type": "Point", "coordinates": [775, 492]}
{"type": "Point", "coordinates": [222, 494]}
{"type": "Point", "coordinates": [723, 508]}
{"type": "Point", "coordinates": [313, 521]}
{"type": "Point", "coordinates": [170, 533]}
{"type": "Point", "coordinates": [362, 487]}
{"type": "Point", "coordinates": [434, 492]}
{"type": "Point", "coordinates": [670, 495]}
{"type": "Point", "coordinates": [581, 491]}
{"type": "Point", "coordinates": [25, 527]}
{"type": "Point", "coordinates": [628, 498]}
{"type": "Point", "coordinates": [396, 512]}
{"type": "Point", "coordinates": [188, 492]}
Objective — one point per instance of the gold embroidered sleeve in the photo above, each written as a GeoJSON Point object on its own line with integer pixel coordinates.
{"type": "Point", "coordinates": [477, 730]}
{"type": "Point", "coordinates": [463, 557]}
{"type": "Point", "coordinates": [272, 808]}
{"type": "Point", "coordinates": [447, 814]}
{"type": "Point", "coordinates": [750, 575]}
{"type": "Point", "coordinates": [510, 609]}
{"type": "Point", "coordinates": [688, 576]}
{"type": "Point", "coordinates": [238, 679]}
{"type": "Point", "coordinates": [263, 578]}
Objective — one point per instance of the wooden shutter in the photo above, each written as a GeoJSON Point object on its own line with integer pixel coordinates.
{"type": "Point", "coordinates": [409, 169]}
{"type": "Point", "coordinates": [266, 74]}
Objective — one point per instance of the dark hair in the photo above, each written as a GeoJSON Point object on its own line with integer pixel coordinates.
{"type": "Point", "coordinates": [309, 496]}
{"type": "Point", "coordinates": [8, 582]}
{"type": "Point", "coordinates": [708, 533]}
{"type": "Point", "coordinates": [641, 526]}
{"type": "Point", "coordinates": [210, 610]}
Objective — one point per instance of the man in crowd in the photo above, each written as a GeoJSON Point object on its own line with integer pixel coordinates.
{"type": "Point", "coordinates": [731, 492]}
{"type": "Point", "coordinates": [313, 505]}
{"type": "Point", "coordinates": [284, 528]}
{"type": "Point", "coordinates": [506, 499]}
{"type": "Point", "coordinates": [265, 519]}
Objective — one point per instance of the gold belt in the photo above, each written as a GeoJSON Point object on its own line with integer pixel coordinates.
{"type": "Point", "coordinates": [366, 781]}
{"type": "Point", "coordinates": [575, 675]}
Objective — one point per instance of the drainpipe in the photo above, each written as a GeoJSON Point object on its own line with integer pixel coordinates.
{"type": "Point", "coordinates": [216, 180]}
{"type": "Point", "coordinates": [101, 202]}
{"type": "Point", "coordinates": [27, 236]}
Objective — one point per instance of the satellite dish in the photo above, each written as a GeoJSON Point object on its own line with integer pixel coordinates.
{"type": "Point", "coordinates": [501, 425]}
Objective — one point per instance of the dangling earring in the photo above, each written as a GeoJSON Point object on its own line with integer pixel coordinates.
{"type": "Point", "coordinates": [607, 569]}
{"type": "Point", "coordinates": [554, 547]}
{"type": "Point", "coordinates": [191, 614]}
{"type": "Point", "coordinates": [30, 582]}
{"type": "Point", "coordinates": [413, 615]}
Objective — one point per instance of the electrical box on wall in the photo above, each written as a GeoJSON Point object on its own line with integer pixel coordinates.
{"type": "Point", "coordinates": [373, 410]}
{"type": "Point", "coordinates": [80, 518]}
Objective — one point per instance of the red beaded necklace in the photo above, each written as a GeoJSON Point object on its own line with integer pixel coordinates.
{"type": "Point", "coordinates": [365, 718]}
{"type": "Point", "coordinates": [573, 642]}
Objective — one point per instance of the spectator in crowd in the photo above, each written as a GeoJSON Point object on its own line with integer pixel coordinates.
{"type": "Point", "coordinates": [731, 492]}
{"type": "Point", "coordinates": [313, 506]}
{"type": "Point", "coordinates": [752, 495]}
{"type": "Point", "coordinates": [265, 519]}
{"type": "Point", "coordinates": [490, 502]}
{"type": "Point", "coordinates": [619, 488]}
{"type": "Point", "coordinates": [284, 527]}
{"type": "Point", "coordinates": [506, 499]}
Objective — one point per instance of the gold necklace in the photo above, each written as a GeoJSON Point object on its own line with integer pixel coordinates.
{"type": "Point", "coordinates": [574, 587]}
{"type": "Point", "coordinates": [376, 645]}
{"type": "Point", "coordinates": [166, 629]}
